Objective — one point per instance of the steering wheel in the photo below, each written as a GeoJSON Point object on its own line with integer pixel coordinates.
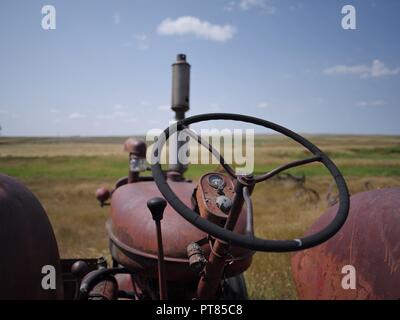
{"type": "Point", "coordinates": [245, 240]}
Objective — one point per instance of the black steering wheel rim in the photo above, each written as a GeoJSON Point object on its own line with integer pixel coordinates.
{"type": "Point", "coordinates": [248, 241]}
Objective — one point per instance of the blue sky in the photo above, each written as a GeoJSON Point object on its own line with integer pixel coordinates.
{"type": "Point", "coordinates": [106, 68]}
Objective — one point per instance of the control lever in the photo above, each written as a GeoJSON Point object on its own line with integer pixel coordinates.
{"type": "Point", "coordinates": [102, 195]}
{"type": "Point", "coordinates": [156, 206]}
{"type": "Point", "coordinates": [249, 212]}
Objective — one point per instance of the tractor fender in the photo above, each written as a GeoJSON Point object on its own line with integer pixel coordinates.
{"type": "Point", "coordinates": [30, 264]}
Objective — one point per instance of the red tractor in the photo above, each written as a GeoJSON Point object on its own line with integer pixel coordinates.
{"type": "Point", "coordinates": [169, 238]}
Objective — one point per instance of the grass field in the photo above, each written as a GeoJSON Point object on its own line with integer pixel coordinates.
{"type": "Point", "coordinates": [65, 172]}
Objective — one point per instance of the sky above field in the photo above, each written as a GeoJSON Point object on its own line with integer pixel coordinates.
{"type": "Point", "coordinates": [106, 67]}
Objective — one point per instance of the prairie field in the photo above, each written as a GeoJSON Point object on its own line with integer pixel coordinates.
{"type": "Point", "coordinates": [65, 172]}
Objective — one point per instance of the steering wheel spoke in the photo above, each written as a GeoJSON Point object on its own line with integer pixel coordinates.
{"type": "Point", "coordinates": [211, 149]}
{"type": "Point", "coordinates": [284, 167]}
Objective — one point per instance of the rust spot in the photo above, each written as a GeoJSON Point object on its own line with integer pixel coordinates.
{"type": "Point", "coordinates": [369, 241]}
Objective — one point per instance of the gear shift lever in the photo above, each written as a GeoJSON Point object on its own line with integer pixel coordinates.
{"type": "Point", "coordinates": [156, 206]}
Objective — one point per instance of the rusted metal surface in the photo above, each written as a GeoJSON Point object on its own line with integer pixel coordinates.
{"type": "Point", "coordinates": [105, 290]}
{"type": "Point", "coordinates": [136, 147]}
{"type": "Point", "coordinates": [197, 261]}
{"type": "Point", "coordinates": [209, 283]}
{"type": "Point", "coordinates": [180, 105]}
{"type": "Point", "coordinates": [27, 244]}
{"type": "Point", "coordinates": [207, 198]}
{"type": "Point", "coordinates": [137, 150]}
{"type": "Point", "coordinates": [180, 86]}
{"type": "Point", "coordinates": [73, 271]}
{"type": "Point", "coordinates": [102, 195]}
{"type": "Point", "coordinates": [132, 233]}
{"type": "Point", "coordinates": [369, 241]}
{"type": "Point", "coordinates": [126, 283]}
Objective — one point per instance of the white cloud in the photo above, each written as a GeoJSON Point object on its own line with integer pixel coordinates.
{"type": "Point", "coordinates": [77, 115]}
{"type": "Point", "coordinates": [53, 110]}
{"type": "Point", "coordinates": [263, 105]}
{"type": "Point", "coordinates": [192, 25]}
{"type": "Point", "coordinates": [376, 70]}
{"type": "Point", "coordinates": [3, 111]}
{"type": "Point", "coordinates": [375, 103]}
{"type": "Point", "coordinates": [265, 5]}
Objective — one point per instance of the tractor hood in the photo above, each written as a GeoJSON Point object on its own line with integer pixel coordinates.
{"type": "Point", "coordinates": [132, 232]}
{"type": "Point", "coordinates": [132, 227]}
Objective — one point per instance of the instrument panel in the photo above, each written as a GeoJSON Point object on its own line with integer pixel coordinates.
{"type": "Point", "coordinates": [214, 196]}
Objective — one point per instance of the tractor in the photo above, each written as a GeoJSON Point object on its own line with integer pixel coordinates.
{"type": "Point", "coordinates": [170, 238]}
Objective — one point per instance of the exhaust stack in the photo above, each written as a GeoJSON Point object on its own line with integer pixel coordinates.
{"type": "Point", "coordinates": [180, 105]}
{"type": "Point", "coordinates": [180, 87]}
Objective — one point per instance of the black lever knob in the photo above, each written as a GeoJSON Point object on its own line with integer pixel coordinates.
{"type": "Point", "coordinates": [157, 206]}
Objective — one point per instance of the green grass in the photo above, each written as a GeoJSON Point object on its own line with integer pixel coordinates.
{"type": "Point", "coordinates": [72, 167]}
{"type": "Point", "coordinates": [64, 167]}
{"type": "Point", "coordinates": [64, 173]}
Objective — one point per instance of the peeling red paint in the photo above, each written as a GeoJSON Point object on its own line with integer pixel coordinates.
{"type": "Point", "coordinates": [369, 241]}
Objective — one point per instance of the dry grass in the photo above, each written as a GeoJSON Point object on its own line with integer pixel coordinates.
{"type": "Point", "coordinates": [75, 215]}
{"type": "Point", "coordinates": [280, 214]}
{"type": "Point", "coordinates": [64, 173]}
{"type": "Point", "coordinates": [78, 222]}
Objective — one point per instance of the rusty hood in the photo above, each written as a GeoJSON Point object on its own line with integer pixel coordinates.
{"type": "Point", "coordinates": [131, 225]}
